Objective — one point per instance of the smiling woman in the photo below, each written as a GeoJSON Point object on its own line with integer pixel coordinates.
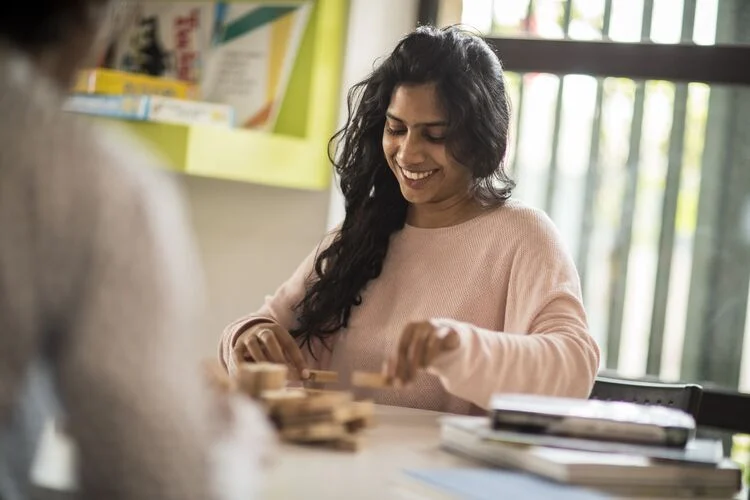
{"type": "Point", "coordinates": [434, 275]}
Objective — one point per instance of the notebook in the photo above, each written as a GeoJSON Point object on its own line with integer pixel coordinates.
{"type": "Point", "coordinates": [484, 484]}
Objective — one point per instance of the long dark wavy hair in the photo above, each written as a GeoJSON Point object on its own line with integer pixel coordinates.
{"type": "Point", "coordinates": [469, 80]}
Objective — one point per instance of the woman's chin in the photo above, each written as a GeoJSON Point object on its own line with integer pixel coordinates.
{"type": "Point", "coordinates": [415, 197]}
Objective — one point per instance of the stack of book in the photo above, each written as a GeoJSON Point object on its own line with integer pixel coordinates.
{"type": "Point", "coordinates": [132, 96]}
{"type": "Point", "coordinates": [622, 450]}
{"type": "Point", "coordinates": [197, 63]}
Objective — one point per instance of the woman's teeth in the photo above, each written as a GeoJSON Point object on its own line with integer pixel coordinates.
{"type": "Point", "coordinates": [415, 176]}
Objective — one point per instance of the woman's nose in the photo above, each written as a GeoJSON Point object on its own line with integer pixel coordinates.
{"type": "Point", "coordinates": [410, 151]}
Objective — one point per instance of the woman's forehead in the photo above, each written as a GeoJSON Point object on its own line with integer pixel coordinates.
{"type": "Point", "coordinates": [417, 104]}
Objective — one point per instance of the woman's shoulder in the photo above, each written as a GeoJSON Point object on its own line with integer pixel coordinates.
{"type": "Point", "coordinates": [516, 226]}
{"type": "Point", "coordinates": [519, 218]}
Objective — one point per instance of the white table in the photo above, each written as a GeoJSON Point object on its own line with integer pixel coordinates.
{"type": "Point", "coordinates": [402, 438]}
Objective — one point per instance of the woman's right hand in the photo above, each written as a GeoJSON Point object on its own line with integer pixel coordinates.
{"type": "Point", "coordinates": [271, 343]}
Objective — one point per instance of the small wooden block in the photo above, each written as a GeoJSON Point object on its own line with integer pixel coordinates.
{"type": "Point", "coordinates": [364, 409]}
{"type": "Point", "coordinates": [372, 380]}
{"type": "Point", "coordinates": [283, 394]}
{"type": "Point", "coordinates": [318, 392]}
{"type": "Point", "coordinates": [343, 413]}
{"type": "Point", "coordinates": [287, 421]}
{"type": "Point", "coordinates": [268, 369]}
{"type": "Point", "coordinates": [312, 404]}
{"type": "Point", "coordinates": [275, 398]}
{"type": "Point", "coordinates": [355, 415]}
{"type": "Point", "coordinates": [315, 432]}
{"type": "Point", "coordinates": [254, 378]}
{"type": "Point", "coordinates": [323, 376]}
{"type": "Point", "coordinates": [348, 442]}
{"type": "Point", "coordinates": [361, 415]}
{"type": "Point", "coordinates": [354, 426]}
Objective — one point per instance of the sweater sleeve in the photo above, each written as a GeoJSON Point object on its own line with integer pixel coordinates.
{"type": "Point", "coordinates": [545, 347]}
{"type": "Point", "coordinates": [277, 308]}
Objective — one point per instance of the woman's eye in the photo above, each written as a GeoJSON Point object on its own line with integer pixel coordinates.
{"type": "Point", "coordinates": [436, 139]}
{"type": "Point", "coordinates": [394, 131]}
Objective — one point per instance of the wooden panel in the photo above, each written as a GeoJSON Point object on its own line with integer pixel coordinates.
{"type": "Point", "coordinates": [684, 62]}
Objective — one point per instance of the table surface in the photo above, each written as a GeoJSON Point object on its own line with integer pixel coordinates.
{"type": "Point", "coordinates": [402, 438]}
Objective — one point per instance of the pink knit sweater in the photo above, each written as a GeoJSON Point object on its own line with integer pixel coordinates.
{"type": "Point", "coordinates": [505, 283]}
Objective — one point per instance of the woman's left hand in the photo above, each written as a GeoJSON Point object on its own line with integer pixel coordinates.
{"type": "Point", "coordinates": [421, 342]}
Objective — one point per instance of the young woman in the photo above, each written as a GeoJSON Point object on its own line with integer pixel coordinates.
{"type": "Point", "coordinates": [434, 270]}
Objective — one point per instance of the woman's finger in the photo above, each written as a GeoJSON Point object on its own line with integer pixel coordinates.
{"type": "Point", "coordinates": [271, 346]}
{"type": "Point", "coordinates": [255, 349]}
{"type": "Point", "coordinates": [293, 352]}
{"type": "Point", "coordinates": [422, 334]}
{"type": "Point", "coordinates": [450, 340]}
{"type": "Point", "coordinates": [433, 347]}
{"type": "Point", "coordinates": [402, 354]}
{"type": "Point", "coordinates": [240, 354]}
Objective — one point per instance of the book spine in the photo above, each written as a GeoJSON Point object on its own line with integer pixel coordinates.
{"type": "Point", "coordinates": [122, 107]}
{"type": "Point", "coordinates": [115, 82]}
{"type": "Point", "coordinates": [162, 109]}
{"type": "Point", "coordinates": [152, 108]}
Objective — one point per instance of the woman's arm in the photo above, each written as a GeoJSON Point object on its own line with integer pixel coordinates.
{"type": "Point", "coordinates": [545, 347]}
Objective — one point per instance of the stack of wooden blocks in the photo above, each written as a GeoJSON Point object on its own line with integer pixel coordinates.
{"type": "Point", "coordinates": [307, 415]}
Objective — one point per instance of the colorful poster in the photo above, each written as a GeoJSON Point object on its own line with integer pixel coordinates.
{"type": "Point", "coordinates": [252, 53]}
{"type": "Point", "coordinates": [239, 53]}
{"type": "Point", "coordinates": [166, 39]}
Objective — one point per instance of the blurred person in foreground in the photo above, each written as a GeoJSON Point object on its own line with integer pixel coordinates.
{"type": "Point", "coordinates": [97, 283]}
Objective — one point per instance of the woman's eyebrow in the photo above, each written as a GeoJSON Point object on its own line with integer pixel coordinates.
{"type": "Point", "coordinates": [440, 123]}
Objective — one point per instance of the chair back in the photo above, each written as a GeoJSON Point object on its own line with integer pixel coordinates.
{"type": "Point", "coordinates": [686, 397]}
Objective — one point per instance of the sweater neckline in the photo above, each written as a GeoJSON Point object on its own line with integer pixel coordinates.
{"type": "Point", "coordinates": [455, 227]}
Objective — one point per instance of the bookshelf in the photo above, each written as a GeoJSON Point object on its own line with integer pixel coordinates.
{"type": "Point", "coordinates": [295, 154]}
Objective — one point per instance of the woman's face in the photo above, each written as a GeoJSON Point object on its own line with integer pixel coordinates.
{"type": "Point", "coordinates": [414, 146]}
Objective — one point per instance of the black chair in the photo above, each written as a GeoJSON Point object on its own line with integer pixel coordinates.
{"type": "Point", "coordinates": [725, 411]}
{"type": "Point", "coordinates": [686, 397]}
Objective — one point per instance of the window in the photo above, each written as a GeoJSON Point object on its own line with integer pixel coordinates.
{"type": "Point", "coordinates": [630, 130]}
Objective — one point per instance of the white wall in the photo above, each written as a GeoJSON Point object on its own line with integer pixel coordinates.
{"type": "Point", "coordinates": [252, 237]}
